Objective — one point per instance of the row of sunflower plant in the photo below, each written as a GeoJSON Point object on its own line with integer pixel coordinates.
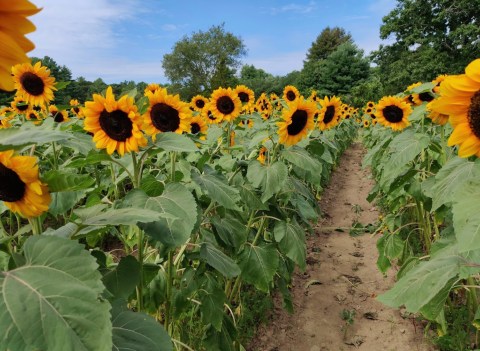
{"type": "Point", "coordinates": [138, 221]}
{"type": "Point", "coordinates": [424, 145]}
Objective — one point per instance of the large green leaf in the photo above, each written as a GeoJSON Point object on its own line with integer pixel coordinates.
{"type": "Point", "coordinates": [126, 216]}
{"type": "Point", "coordinates": [175, 142]}
{"type": "Point", "coordinates": [122, 280]}
{"type": "Point", "coordinates": [212, 307]}
{"type": "Point", "coordinates": [137, 331]}
{"type": "Point", "coordinates": [230, 230]}
{"type": "Point", "coordinates": [451, 177]}
{"type": "Point", "coordinates": [67, 181]}
{"type": "Point", "coordinates": [218, 260]}
{"type": "Point", "coordinates": [53, 302]}
{"type": "Point", "coordinates": [465, 209]}
{"type": "Point", "coordinates": [270, 178]}
{"type": "Point", "coordinates": [218, 190]}
{"type": "Point", "coordinates": [64, 201]}
{"type": "Point", "coordinates": [177, 203]}
{"type": "Point", "coordinates": [258, 265]}
{"type": "Point", "coordinates": [301, 158]}
{"type": "Point", "coordinates": [291, 240]}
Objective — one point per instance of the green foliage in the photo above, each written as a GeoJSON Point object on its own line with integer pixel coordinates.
{"type": "Point", "coordinates": [327, 42]}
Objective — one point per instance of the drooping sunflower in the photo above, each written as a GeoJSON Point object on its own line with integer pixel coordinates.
{"type": "Point", "coordinates": [290, 93]}
{"type": "Point", "coordinates": [20, 188]}
{"type": "Point", "coordinates": [198, 102]}
{"type": "Point", "coordinates": [225, 104]}
{"type": "Point", "coordinates": [116, 125]}
{"type": "Point", "coordinates": [438, 81]}
{"type": "Point", "coordinates": [13, 43]}
{"type": "Point", "coordinates": [330, 112]}
{"type": "Point", "coordinates": [262, 155]}
{"type": "Point", "coordinates": [166, 113]}
{"type": "Point", "coordinates": [198, 126]}
{"type": "Point", "coordinates": [393, 112]}
{"type": "Point", "coordinates": [33, 83]}
{"type": "Point", "coordinates": [58, 116]}
{"type": "Point", "coordinates": [297, 120]}
{"type": "Point", "coordinates": [435, 116]}
{"type": "Point", "coordinates": [245, 94]}
{"type": "Point", "coordinates": [460, 100]}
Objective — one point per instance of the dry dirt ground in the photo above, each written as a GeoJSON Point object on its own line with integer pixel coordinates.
{"type": "Point", "coordinates": [341, 276]}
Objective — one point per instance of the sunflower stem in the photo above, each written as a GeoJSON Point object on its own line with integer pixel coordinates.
{"type": "Point", "coordinates": [140, 248]}
{"type": "Point", "coordinates": [168, 303]}
{"type": "Point", "coordinates": [36, 225]}
{"type": "Point", "coordinates": [136, 171]}
{"type": "Point", "coordinates": [173, 158]}
{"type": "Point", "coordinates": [55, 156]}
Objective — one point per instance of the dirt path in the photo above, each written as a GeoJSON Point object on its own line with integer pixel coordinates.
{"type": "Point", "coordinates": [341, 276]}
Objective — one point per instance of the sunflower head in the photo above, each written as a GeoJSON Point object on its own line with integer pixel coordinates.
{"type": "Point", "coordinates": [34, 83]}
{"type": "Point", "coordinates": [76, 108]}
{"type": "Point", "coordinates": [297, 120]}
{"type": "Point", "coordinates": [198, 102]}
{"type": "Point", "coordinates": [290, 93]}
{"type": "Point", "coordinates": [225, 104]}
{"type": "Point", "coordinates": [115, 125]}
{"type": "Point", "coordinates": [245, 94]}
{"type": "Point", "coordinates": [393, 112]}
{"type": "Point", "coordinates": [262, 155]}
{"type": "Point", "coordinates": [58, 116]}
{"type": "Point", "coordinates": [152, 88]}
{"type": "Point", "coordinates": [264, 106]}
{"type": "Point", "coordinates": [330, 112]}
{"type": "Point", "coordinates": [20, 188]}
{"type": "Point", "coordinates": [438, 81]}
{"type": "Point", "coordinates": [198, 126]}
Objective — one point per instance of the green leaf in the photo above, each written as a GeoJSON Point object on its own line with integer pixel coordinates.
{"type": "Point", "coordinates": [179, 208]}
{"type": "Point", "coordinates": [54, 299]}
{"type": "Point", "coordinates": [452, 177]}
{"type": "Point", "coordinates": [137, 331]}
{"type": "Point", "coordinates": [92, 158]}
{"type": "Point", "coordinates": [175, 142]}
{"type": "Point", "coordinates": [212, 308]}
{"type": "Point", "coordinates": [301, 158]}
{"type": "Point", "coordinates": [230, 230]}
{"type": "Point", "coordinates": [218, 190]}
{"type": "Point", "coordinates": [64, 201]}
{"type": "Point", "coordinates": [291, 240]}
{"type": "Point", "coordinates": [122, 280]}
{"type": "Point", "coordinates": [126, 216]}
{"type": "Point", "coordinates": [258, 265]}
{"type": "Point", "coordinates": [250, 199]}
{"type": "Point", "coordinates": [270, 178]}
{"type": "Point", "coordinates": [393, 246]}
{"type": "Point", "coordinates": [218, 260]}
{"type": "Point", "coordinates": [67, 181]}
{"type": "Point", "coordinates": [466, 221]}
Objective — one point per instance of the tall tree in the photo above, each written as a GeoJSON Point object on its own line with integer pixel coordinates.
{"type": "Point", "coordinates": [205, 60]}
{"type": "Point", "coordinates": [432, 37]}
{"type": "Point", "coordinates": [327, 42]}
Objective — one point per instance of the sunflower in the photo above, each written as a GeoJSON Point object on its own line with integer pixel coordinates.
{"type": "Point", "coordinates": [366, 123]}
{"type": "Point", "coordinates": [264, 106]}
{"type": "Point", "coordinates": [33, 115]}
{"type": "Point", "coordinates": [208, 116]}
{"type": "Point", "coordinates": [152, 87]}
{"type": "Point", "coordinates": [246, 123]}
{"type": "Point", "coordinates": [409, 98]}
{"type": "Point", "coordinates": [198, 102]}
{"type": "Point", "coordinates": [422, 97]}
{"type": "Point", "coordinates": [225, 104]}
{"type": "Point", "coordinates": [435, 116]}
{"type": "Point", "coordinates": [166, 113]}
{"type": "Point", "coordinates": [115, 124]}
{"type": "Point", "coordinates": [76, 108]}
{"type": "Point", "coordinates": [20, 188]}
{"type": "Point", "coordinates": [438, 81]}
{"type": "Point", "coordinates": [6, 115]}
{"type": "Point", "coordinates": [370, 104]}
{"type": "Point", "coordinates": [57, 115]}
{"type": "Point", "coordinates": [393, 112]}
{"type": "Point", "coordinates": [314, 96]}
{"type": "Point", "coordinates": [19, 105]}
{"type": "Point", "coordinates": [297, 121]}
{"type": "Point", "coordinates": [33, 83]}
{"type": "Point", "coordinates": [329, 113]}
{"type": "Point", "coordinates": [460, 100]}
{"type": "Point", "coordinates": [290, 93]}
{"type": "Point", "coordinates": [245, 94]}
{"type": "Point", "coordinates": [262, 155]}
{"type": "Point", "coordinates": [198, 126]}
{"type": "Point", "coordinates": [13, 43]}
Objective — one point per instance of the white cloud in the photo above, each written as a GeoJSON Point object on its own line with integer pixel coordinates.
{"type": "Point", "coordinates": [295, 8]}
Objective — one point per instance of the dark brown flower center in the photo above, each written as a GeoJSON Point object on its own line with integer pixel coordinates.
{"type": "Point", "coordinates": [32, 83]}
{"type": "Point", "coordinates": [225, 105]}
{"type": "Point", "coordinates": [291, 96]}
{"type": "Point", "coordinates": [474, 114]}
{"type": "Point", "coordinates": [199, 103]}
{"type": "Point", "coordinates": [195, 128]}
{"type": "Point", "coordinates": [12, 188]}
{"type": "Point", "coordinates": [329, 114]}
{"type": "Point", "coordinates": [211, 116]}
{"type": "Point", "coordinates": [243, 97]}
{"type": "Point", "coordinates": [164, 117]}
{"type": "Point", "coordinates": [425, 96]}
{"type": "Point", "coordinates": [76, 110]}
{"type": "Point", "coordinates": [299, 121]}
{"type": "Point", "coordinates": [116, 124]}
{"type": "Point", "coordinates": [58, 117]}
{"type": "Point", "coordinates": [393, 114]}
{"type": "Point", "coordinates": [22, 106]}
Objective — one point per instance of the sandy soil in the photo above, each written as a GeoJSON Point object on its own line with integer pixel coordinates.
{"type": "Point", "coordinates": [341, 276]}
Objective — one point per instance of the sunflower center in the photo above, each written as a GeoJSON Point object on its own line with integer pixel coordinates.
{"type": "Point", "coordinates": [76, 110]}
{"type": "Point", "coordinates": [32, 83]}
{"type": "Point", "coordinates": [299, 121]}
{"type": "Point", "coordinates": [22, 106]}
{"type": "Point", "coordinates": [12, 188]}
{"type": "Point", "coordinates": [243, 97]}
{"type": "Point", "coordinates": [116, 124]}
{"type": "Point", "coordinates": [225, 105]}
{"type": "Point", "coordinates": [393, 114]}
{"type": "Point", "coordinates": [425, 96]}
{"type": "Point", "coordinates": [58, 117]}
{"type": "Point", "coordinates": [290, 95]}
{"type": "Point", "coordinates": [329, 114]}
{"type": "Point", "coordinates": [200, 103]}
{"type": "Point", "coordinates": [474, 114]}
{"type": "Point", "coordinates": [164, 117]}
{"type": "Point", "coordinates": [195, 128]}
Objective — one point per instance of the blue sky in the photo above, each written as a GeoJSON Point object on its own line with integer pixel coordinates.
{"type": "Point", "coordinates": [119, 40]}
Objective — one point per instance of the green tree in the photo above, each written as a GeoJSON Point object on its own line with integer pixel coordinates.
{"type": "Point", "coordinates": [204, 61]}
{"type": "Point", "coordinates": [327, 42]}
{"type": "Point", "coordinates": [432, 37]}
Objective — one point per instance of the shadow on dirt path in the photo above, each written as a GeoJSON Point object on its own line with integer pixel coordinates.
{"type": "Point", "coordinates": [341, 281]}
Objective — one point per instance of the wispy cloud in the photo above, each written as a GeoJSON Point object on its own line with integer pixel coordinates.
{"type": "Point", "coordinates": [294, 8]}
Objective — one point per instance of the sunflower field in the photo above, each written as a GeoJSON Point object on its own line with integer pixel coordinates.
{"type": "Point", "coordinates": [141, 220]}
